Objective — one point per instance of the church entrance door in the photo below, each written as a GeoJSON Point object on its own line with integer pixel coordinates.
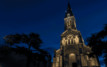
{"type": "Point", "coordinates": [74, 64]}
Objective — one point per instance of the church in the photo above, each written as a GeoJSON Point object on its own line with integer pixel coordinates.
{"type": "Point", "coordinates": [73, 52]}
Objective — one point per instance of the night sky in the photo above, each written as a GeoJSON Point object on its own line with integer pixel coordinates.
{"type": "Point", "coordinates": [46, 17]}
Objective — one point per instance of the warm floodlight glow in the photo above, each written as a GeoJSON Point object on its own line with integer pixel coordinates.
{"type": "Point", "coordinates": [72, 58]}
{"type": "Point", "coordinates": [63, 42]}
{"type": "Point", "coordinates": [70, 40]}
{"type": "Point", "coordinates": [73, 51]}
{"type": "Point", "coordinates": [72, 54]}
{"type": "Point", "coordinates": [76, 39]}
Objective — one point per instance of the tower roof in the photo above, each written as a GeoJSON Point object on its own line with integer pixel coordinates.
{"type": "Point", "coordinates": [69, 10]}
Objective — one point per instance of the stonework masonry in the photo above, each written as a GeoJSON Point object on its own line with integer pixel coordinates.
{"type": "Point", "coordinates": [73, 52]}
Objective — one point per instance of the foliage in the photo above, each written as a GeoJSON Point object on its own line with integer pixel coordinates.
{"type": "Point", "coordinates": [98, 43]}
{"type": "Point", "coordinates": [32, 40]}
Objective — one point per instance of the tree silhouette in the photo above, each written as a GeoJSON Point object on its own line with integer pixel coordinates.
{"type": "Point", "coordinates": [32, 40]}
{"type": "Point", "coordinates": [98, 43]}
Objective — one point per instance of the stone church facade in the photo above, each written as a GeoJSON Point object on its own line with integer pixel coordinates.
{"type": "Point", "coordinates": [73, 52]}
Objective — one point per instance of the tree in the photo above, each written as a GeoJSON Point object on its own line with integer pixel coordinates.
{"type": "Point", "coordinates": [32, 40]}
{"type": "Point", "coordinates": [98, 43]}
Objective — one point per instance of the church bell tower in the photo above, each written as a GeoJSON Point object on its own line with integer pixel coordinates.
{"type": "Point", "coordinates": [73, 52]}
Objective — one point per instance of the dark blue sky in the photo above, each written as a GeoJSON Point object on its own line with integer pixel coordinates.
{"type": "Point", "coordinates": [46, 17]}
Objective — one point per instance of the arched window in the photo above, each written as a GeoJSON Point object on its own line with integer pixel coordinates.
{"type": "Point", "coordinates": [76, 39]}
{"type": "Point", "coordinates": [70, 39]}
{"type": "Point", "coordinates": [64, 41]}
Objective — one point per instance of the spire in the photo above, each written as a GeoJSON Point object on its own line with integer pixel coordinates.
{"type": "Point", "coordinates": [69, 10]}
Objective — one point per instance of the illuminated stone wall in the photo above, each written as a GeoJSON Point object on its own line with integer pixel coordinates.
{"type": "Point", "coordinates": [73, 52]}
